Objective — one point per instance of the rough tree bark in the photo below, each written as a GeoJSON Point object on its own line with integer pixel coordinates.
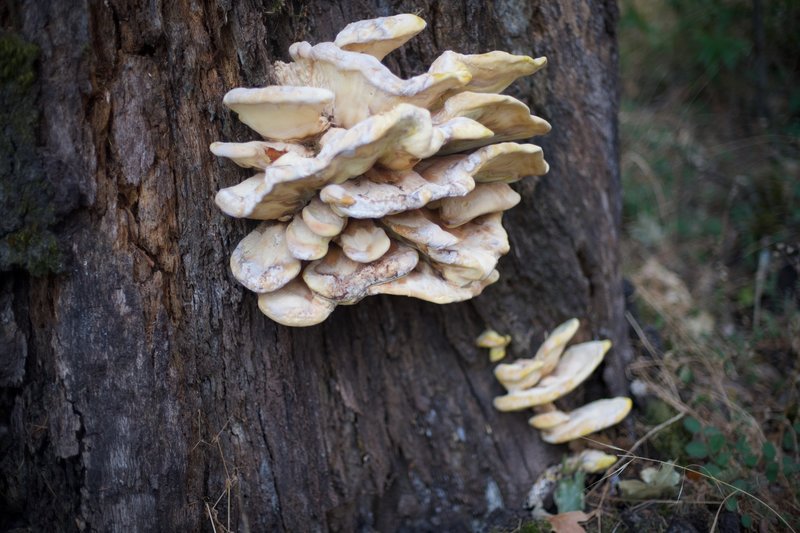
{"type": "Point", "coordinates": [143, 390]}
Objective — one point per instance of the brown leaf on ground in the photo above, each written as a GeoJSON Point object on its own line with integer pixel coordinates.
{"type": "Point", "coordinates": [568, 522]}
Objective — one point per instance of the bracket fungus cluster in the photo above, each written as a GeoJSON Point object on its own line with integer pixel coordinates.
{"type": "Point", "coordinates": [369, 184]}
{"type": "Point", "coordinates": [554, 371]}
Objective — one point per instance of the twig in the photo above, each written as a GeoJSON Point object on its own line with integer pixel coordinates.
{"type": "Point", "coordinates": [211, 517]}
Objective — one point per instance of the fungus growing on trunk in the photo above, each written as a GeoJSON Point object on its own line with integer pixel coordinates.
{"type": "Point", "coordinates": [372, 184]}
{"type": "Point", "coordinates": [551, 374]}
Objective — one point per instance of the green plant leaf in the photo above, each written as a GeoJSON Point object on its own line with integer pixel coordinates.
{"type": "Point", "coordinates": [789, 466]}
{"type": "Point", "coordinates": [742, 446]}
{"type": "Point", "coordinates": [741, 484]}
{"type": "Point", "coordinates": [771, 471]}
{"type": "Point", "coordinates": [768, 451]}
{"type": "Point", "coordinates": [696, 449]}
{"type": "Point", "coordinates": [712, 470]}
{"type": "Point", "coordinates": [747, 520]}
{"type": "Point", "coordinates": [569, 493]}
{"type": "Point", "coordinates": [722, 459]}
{"type": "Point", "coordinates": [716, 442]}
{"type": "Point", "coordinates": [691, 424]}
{"type": "Point", "coordinates": [789, 443]}
{"type": "Point", "coordinates": [750, 460]}
{"type": "Point", "coordinates": [686, 376]}
{"type": "Point", "coordinates": [731, 504]}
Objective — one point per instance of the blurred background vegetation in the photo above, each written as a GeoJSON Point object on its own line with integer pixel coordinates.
{"type": "Point", "coordinates": [710, 134]}
{"type": "Point", "coordinates": [710, 125]}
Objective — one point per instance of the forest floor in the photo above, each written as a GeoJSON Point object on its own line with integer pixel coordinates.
{"type": "Point", "coordinates": [711, 258]}
{"type": "Point", "coordinates": [711, 254]}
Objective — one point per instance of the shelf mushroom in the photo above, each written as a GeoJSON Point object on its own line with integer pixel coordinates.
{"type": "Point", "coordinates": [588, 419]}
{"type": "Point", "coordinates": [495, 342]}
{"type": "Point", "coordinates": [552, 373]}
{"type": "Point", "coordinates": [367, 183]}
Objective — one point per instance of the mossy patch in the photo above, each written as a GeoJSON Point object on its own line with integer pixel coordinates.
{"type": "Point", "coordinates": [669, 442]}
{"type": "Point", "coordinates": [27, 194]}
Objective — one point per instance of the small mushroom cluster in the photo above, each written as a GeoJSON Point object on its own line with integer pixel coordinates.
{"type": "Point", "coordinates": [371, 184]}
{"type": "Point", "coordinates": [553, 372]}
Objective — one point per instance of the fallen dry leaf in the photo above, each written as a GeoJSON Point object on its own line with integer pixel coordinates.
{"type": "Point", "coordinates": [568, 522]}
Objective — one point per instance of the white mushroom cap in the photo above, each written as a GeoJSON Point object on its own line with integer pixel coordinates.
{"type": "Point", "coordinates": [591, 461]}
{"type": "Point", "coordinates": [489, 73]}
{"type": "Point", "coordinates": [463, 255]}
{"type": "Point", "coordinates": [303, 243]}
{"type": "Point", "coordinates": [464, 130]}
{"type": "Point", "coordinates": [363, 241]}
{"type": "Point", "coordinates": [531, 374]}
{"type": "Point", "coordinates": [419, 228]}
{"type": "Point", "coordinates": [508, 118]}
{"type": "Point", "coordinates": [588, 419]}
{"type": "Point", "coordinates": [380, 192]}
{"type": "Point", "coordinates": [321, 219]}
{"type": "Point", "coordinates": [345, 281]}
{"type": "Point", "coordinates": [553, 346]}
{"type": "Point", "coordinates": [362, 84]}
{"type": "Point", "coordinates": [396, 138]}
{"type": "Point", "coordinates": [262, 262]}
{"type": "Point", "coordinates": [281, 112]}
{"type": "Point", "coordinates": [506, 162]}
{"type": "Point", "coordinates": [495, 342]}
{"type": "Point", "coordinates": [525, 373]}
{"type": "Point", "coordinates": [377, 37]}
{"type": "Point", "coordinates": [578, 362]}
{"type": "Point", "coordinates": [257, 154]}
{"type": "Point", "coordinates": [491, 339]}
{"type": "Point", "coordinates": [425, 283]}
{"type": "Point", "coordinates": [295, 305]}
{"type": "Point", "coordinates": [243, 199]}
{"type": "Point", "coordinates": [485, 198]}
{"type": "Point", "coordinates": [548, 420]}
{"type": "Point", "coordinates": [509, 162]}
{"type": "Point", "coordinates": [516, 372]}
{"type": "Point", "coordinates": [481, 243]}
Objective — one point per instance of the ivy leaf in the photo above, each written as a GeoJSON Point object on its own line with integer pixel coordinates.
{"type": "Point", "coordinates": [772, 471]}
{"type": "Point", "coordinates": [691, 424]}
{"type": "Point", "coordinates": [712, 470]}
{"type": "Point", "coordinates": [741, 484]}
{"type": "Point", "coordinates": [696, 449]}
{"type": "Point", "coordinates": [789, 443]}
{"type": "Point", "coordinates": [750, 460]}
{"type": "Point", "coordinates": [768, 451]}
{"type": "Point", "coordinates": [722, 459]}
{"type": "Point", "coordinates": [716, 442]}
{"type": "Point", "coordinates": [731, 504]}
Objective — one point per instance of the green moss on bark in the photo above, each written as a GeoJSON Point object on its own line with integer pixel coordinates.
{"type": "Point", "coordinates": [27, 195]}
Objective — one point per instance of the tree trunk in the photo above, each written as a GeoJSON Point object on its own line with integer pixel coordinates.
{"type": "Point", "coordinates": [143, 389]}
